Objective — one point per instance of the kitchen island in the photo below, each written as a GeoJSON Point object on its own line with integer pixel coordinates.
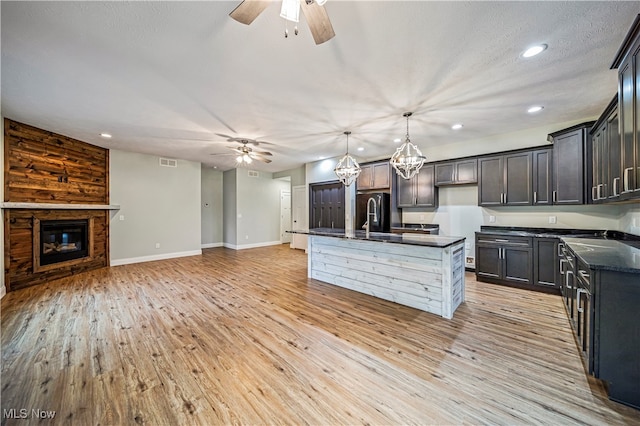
{"type": "Point", "coordinates": [425, 272]}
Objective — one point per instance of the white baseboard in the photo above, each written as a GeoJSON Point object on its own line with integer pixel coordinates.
{"type": "Point", "coordinates": [249, 246]}
{"type": "Point", "coordinates": [212, 245]}
{"type": "Point", "coordinates": [141, 259]}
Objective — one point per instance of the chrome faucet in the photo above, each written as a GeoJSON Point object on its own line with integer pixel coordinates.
{"type": "Point", "coordinates": [369, 213]}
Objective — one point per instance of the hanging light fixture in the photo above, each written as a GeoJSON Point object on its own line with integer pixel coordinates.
{"type": "Point", "coordinates": [408, 159]}
{"type": "Point", "coordinates": [347, 168]}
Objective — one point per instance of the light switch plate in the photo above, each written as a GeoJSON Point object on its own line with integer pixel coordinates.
{"type": "Point", "coordinates": [492, 219]}
{"type": "Point", "coordinates": [552, 219]}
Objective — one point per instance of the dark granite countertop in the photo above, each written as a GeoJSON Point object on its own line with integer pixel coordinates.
{"type": "Point", "coordinates": [600, 249]}
{"type": "Point", "coordinates": [543, 232]}
{"type": "Point", "coordinates": [383, 237]}
{"type": "Point", "coordinates": [601, 253]}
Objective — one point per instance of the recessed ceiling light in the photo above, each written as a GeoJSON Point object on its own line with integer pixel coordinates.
{"type": "Point", "coordinates": [534, 50]}
{"type": "Point", "coordinates": [457, 126]}
{"type": "Point", "coordinates": [105, 135]}
{"type": "Point", "coordinates": [397, 140]}
{"type": "Point", "coordinates": [360, 149]}
{"type": "Point", "coordinates": [535, 109]}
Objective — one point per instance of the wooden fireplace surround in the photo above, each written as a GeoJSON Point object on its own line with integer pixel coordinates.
{"type": "Point", "coordinates": [48, 176]}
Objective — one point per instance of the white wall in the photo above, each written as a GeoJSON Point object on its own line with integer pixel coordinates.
{"type": "Point", "coordinates": [630, 220]}
{"type": "Point", "coordinates": [211, 207]}
{"type": "Point", "coordinates": [297, 175]}
{"type": "Point", "coordinates": [229, 201]}
{"type": "Point", "coordinates": [160, 205]}
{"type": "Point", "coordinates": [258, 204]}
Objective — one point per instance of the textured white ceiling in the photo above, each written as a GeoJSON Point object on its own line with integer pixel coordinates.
{"type": "Point", "coordinates": [165, 77]}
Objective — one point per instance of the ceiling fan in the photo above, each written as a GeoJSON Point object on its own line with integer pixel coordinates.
{"type": "Point", "coordinates": [314, 11]}
{"type": "Point", "coordinates": [245, 154]}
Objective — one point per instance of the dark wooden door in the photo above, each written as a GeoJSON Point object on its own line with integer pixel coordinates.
{"type": "Point", "coordinates": [545, 261]}
{"type": "Point", "coordinates": [365, 178]}
{"type": "Point", "coordinates": [326, 208]}
{"type": "Point", "coordinates": [517, 179]}
{"type": "Point", "coordinates": [517, 264]}
{"type": "Point", "coordinates": [405, 192]}
{"type": "Point", "coordinates": [488, 261]}
{"type": "Point", "coordinates": [491, 178]}
{"type": "Point", "coordinates": [381, 175]}
{"type": "Point", "coordinates": [542, 177]}
{"type": "Point", "coordinates": [445, 174]}
{"type": "Point", "coordinates": [425, 191]}
{"type": "Point", "coordinates": [614, 143]}
{"type": "Point", "coordinates": [568, 168]}
{"type": "Point", "coordinates": [466, 171]}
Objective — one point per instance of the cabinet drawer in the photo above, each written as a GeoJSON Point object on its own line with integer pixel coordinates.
{"type": "Point", "coordinates": [505, 240]}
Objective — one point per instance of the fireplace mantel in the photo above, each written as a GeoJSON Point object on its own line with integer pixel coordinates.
{"type": "Point", "coordinates": [48, 206]}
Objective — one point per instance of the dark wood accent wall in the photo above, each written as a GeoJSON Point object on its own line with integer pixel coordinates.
{"type": "Point", "coordinates": [19, 250]}
{"type": "Point", "coordinates": [44, 167]}
{"type": "Point", "coordinates": [47, 168]}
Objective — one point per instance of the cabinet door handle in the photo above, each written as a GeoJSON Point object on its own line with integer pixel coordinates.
{"type": "Point", "coordinates": [616, 186]}
{"type": "Point", "coordinates": [319, 224]}
{"type": "Point", "coordinates": [600, 193]}
{"type": "Point", "coordinates": [562, 263]}
{"type": "Point", "coordinates": [535, 197]}
{"type": "Point", "coordinates": [626, 179]}
{"type": "Point", "coordinates": [331, 224]}
{"type": "Point", "coordinates": [593, 193]}
{"type": "Point", "coordinates": [560, 248]}
{"type": "Point", "coordinates": [566, 280]}
{"type": "Point", "coordinates": [579, 299]}
{"type": "Point", "coordinates": [555, 196]}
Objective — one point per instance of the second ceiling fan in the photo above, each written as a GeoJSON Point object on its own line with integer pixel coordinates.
{"type": "Point", "coordinates": [314, 11]}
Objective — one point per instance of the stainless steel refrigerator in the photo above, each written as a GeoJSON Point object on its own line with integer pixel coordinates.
{"type": "Point", "coordinates": [382, 222]}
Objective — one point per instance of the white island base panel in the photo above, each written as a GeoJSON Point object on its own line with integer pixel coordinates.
{"type": "Point", "coordinates": [427, 278]}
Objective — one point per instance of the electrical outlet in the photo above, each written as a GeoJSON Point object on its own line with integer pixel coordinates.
{"type": "Point", "coordinates": [246, 237]}
{"type": "Point", "coordinates": [421, 217]}
{"type": "Point", "coordinates": [121, 217]}
{"type": "Point", "coordinates": [157, 245]}
{"type": "Point", "coordinates": [552, 219]}
{"type": "Point", "coordinates": [492, 219]}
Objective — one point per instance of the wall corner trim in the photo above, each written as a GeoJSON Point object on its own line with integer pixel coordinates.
{"type": "Point", "coordinates": [212, 245]}
{"type": "Point", "coordinates": [118, 262]}
{"type": "Point", "coordinates": [249, 246]}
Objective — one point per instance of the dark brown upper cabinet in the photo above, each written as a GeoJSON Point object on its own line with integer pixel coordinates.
{"type": "Point", "coordinates": [626, 61]}
{"type": "Point", "coordinates": [542, 177]}
{"type": "Point", "coordinates": [419, 191]}
{"type": "Point", "coordinates": [505, 180]}
{"type": "Point", "coordinates": [606, 159]}
{"type": "Point", "coordinates": [570, 164]}
{"type": "Point", "coordinates": [457, 172]}
{"type": "Point", "coordinates": [374, 176]}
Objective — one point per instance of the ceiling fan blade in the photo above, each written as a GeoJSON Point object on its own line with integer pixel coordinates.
{"type": "Point", "coordinates": [220, 154]}
{"type": "Point", "coordinates": [262, 153]}
{"type": "Point", "coordinates": [248, 10]}
{"type": "Point", "coordinates": [264, 160]}
{"type": "Point", "coordinates": [318, 21]}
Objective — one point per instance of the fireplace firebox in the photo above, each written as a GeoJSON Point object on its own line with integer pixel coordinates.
{"type": "Point", "coordinates": [63, 240]}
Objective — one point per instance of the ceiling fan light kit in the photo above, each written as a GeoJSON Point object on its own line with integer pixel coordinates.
{"type": "Point", "coordinates": [313, 10]}
{"type": "Point", "coordinates": [347, 168]}
{"type": "Point", "coordinates": [408, 159]}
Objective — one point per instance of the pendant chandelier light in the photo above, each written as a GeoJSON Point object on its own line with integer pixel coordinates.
{"type": "Point", "coordinates": [408, 159]}
{"type": "Point", "coordinates": [347, 168]}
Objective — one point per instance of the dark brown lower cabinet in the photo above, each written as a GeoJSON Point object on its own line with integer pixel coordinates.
{"type": "Point", "coordinates": [545, 257]}
{"type": "Point", "coordinates": [504, 259]}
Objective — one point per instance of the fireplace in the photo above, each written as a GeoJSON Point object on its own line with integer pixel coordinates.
{"type": "Point", "coordinates": [60, 242]}
{"type": "Point", "coordinates": [63, 240]}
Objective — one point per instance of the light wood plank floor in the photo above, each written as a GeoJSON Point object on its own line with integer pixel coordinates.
{"type": "Point", "coordinates": [245, 338]}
